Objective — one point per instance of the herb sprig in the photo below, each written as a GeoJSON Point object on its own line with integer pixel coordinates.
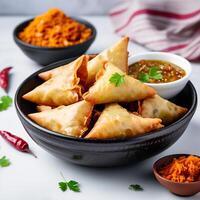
{"type": "Point", "coordinates": [135, 187]}
{"type": "Point", "coordinates": [4, 162]}
{"type": "Point", "coordinates": [5, 102]}
{"type": "Point", "coordinates": [71, 185]}
{"type": "Point", "coordinates": [154, 73]}
{"type": "Point", "coordinates": [117, 79]}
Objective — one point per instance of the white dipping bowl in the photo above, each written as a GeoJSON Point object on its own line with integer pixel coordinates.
{"type": "Point", "coordinates": [171, 89]}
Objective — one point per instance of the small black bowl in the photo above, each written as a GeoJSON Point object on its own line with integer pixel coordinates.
{"type": "Point", "coordinates": [47, 55]}
{"type": "Point", "coordinates": [102, 153]}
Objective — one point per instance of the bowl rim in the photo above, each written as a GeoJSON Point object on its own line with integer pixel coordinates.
{"type": "Point", "coordinates": [172, 156]}
{"type": "Point", "coordinates": [183, 79]}
{"type": "Point", "coordinates": [23, 24]}
{"type": "Point", "coordinates": [134, 140]}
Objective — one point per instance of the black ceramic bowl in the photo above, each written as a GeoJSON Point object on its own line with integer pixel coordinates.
{"type": "Point", "coordinates": [102, 153]}
{"type": "Point", "coordinates": [46, 55]}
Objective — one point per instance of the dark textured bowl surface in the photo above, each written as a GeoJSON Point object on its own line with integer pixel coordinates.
{"type": "Point", "coordinates": [46, 55]}
{"type": "Point", "coordinates": [102, 153]}
{"type": "Point", "coordinates": [182, 189]}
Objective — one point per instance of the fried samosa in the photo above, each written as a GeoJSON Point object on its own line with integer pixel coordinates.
{"type": "Point", "coordinates": [161, 108]}
{"type": "Point", "coordinates": [117, 54]}
{"type": "Point", "coordinates": [63, 88]}
{"type": "Point", "coordinates": [72, 69]}
{"type": "Point", "coordinates": [69, 120]}
{"type": "Point", "coordinates": [116, 122]}
{"type": "Point", "coordinates": [106, 91]}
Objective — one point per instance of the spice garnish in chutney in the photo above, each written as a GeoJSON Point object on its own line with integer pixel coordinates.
{"type": "Point", "coordinates": [156, 71]}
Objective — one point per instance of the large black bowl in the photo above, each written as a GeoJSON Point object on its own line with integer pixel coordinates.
{"type": "Point", "coordinates": [46, 55]}
{"type": "Point", "coordinates": [102, 153]}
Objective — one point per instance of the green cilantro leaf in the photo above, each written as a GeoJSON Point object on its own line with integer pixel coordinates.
{"type": "Point", "coordinates": [63, 186]}
{"type": "Point", "coordinates": [72, 185]}
{"type": "Point", "coordinates": [135, 187]}
{"type": "Point", "coordinates": [5, 102]}
{"type": "Point", "coordinates": [155, 73]}
{"type": "Point", "coordinates": [4, 162]}
{"type": "Point", "coordinates": [117, 79]}
{"type": "Point", "coordinates": [143, 77]}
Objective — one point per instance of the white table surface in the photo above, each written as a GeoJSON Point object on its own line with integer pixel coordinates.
{"type": "Point", "coordinates": [36, 179]}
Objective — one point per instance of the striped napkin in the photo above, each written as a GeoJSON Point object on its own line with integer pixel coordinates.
{"type": "Point", "coordinates": [167, 25]}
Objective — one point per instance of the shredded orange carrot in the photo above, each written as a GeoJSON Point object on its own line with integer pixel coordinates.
{"type": "Point", "coordinates": [54, 29]}
{"type": "Point", "coordinates": [183, 169]}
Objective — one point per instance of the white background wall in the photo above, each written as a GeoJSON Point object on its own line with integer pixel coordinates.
{"type": "Point", "coordinates": [72, 7]}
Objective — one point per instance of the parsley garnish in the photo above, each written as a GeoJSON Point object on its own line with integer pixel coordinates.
{"type": "Point", "coordinates": [63, 186]}
{"type": "Point", "coordinates": [117, 79]}
{"type": "Point", "coordinates": [71, 185]}
{"type": "Point", "coordinates": [154, 73]}
{"type": "Point", "coordinates": [143, 77]}
{"type": "Point", "coordinates": [74, 186]}
{"type": "Point", "coordinates": [4, 162]}
{"type": "Point", "coordinates": [135, 187]}
{"type": "Point", "coordinates": [5, 102]}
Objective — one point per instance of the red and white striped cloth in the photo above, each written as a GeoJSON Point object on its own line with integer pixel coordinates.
{"type": "Point", "coordinates": [166, 25]}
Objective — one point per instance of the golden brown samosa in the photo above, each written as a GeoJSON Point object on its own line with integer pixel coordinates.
{"type": "Point", "coordinates": [72, 69]}
{"type": "Point", "coordinates": [105, 91]}
{"type": "Point", "coordinates": [117, 54]}
{"type": "Point", "coordinates": [63, 88]}
{"type": "Point", "coordinates": [161, 108]}
{"type": "Point", "coordinates": [116, 122]}
{"type": "Point", "coordinates": [69, 120]}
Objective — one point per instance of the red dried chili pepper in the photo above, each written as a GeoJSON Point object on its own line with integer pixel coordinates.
{"type": "Point", "coordinates": [17, 142]}
{"type": "Point", "coordinates": [4, 79]}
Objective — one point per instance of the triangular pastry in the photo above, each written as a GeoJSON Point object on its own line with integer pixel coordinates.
{"type": "Point", "coordinates": [116, 122]}
{"type": "Point", "coordinates": [69, 120]}
{"type": "Point", "coordinates": [117, 54]}
{"type": "Point", "coordinates": [161, 108]}
{"type": "Point", "coordinates": [73, 69]}
{"type": "Point", "coordinates": [63, 88]}
{"type": "Point", "coordinates": [104, 91]}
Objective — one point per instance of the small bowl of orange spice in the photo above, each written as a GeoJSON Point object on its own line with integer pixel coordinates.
{"type": "Point", "coordinates": [179, 173]}
{"type": "Point", "coordinates": [54, 36]}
